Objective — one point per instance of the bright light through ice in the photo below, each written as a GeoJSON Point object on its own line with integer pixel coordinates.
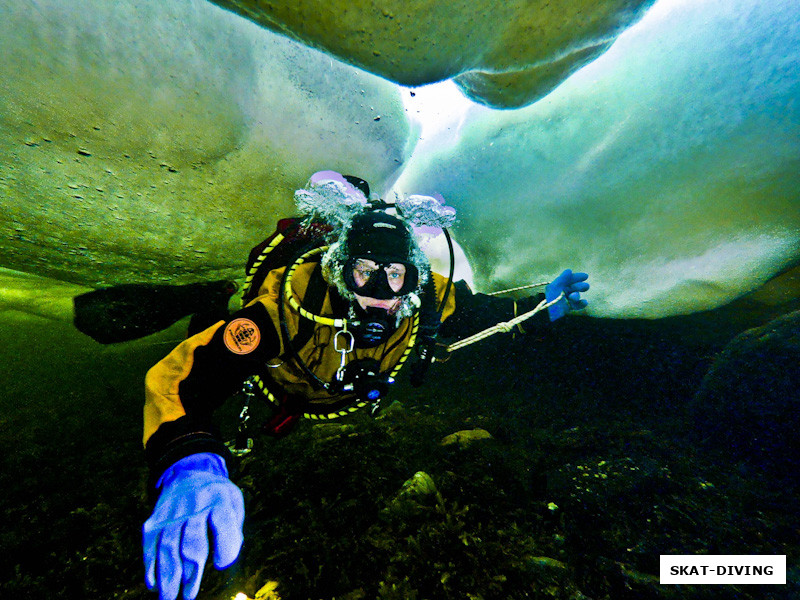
{"type": "Point", "coordinates": [437, 107]}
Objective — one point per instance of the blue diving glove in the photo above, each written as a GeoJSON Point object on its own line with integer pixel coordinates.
{"type": "Point", "coordinates": [197, 498]}
{"type": "Point", "coordinates": [572, 284]}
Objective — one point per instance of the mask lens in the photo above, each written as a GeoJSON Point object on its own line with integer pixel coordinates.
{"type": "Point", "coordinates": [382, 280]}
{"type": "Point", "coordinates": [363, 271]}
{"type": "Point", "coordinates": [395, 275]}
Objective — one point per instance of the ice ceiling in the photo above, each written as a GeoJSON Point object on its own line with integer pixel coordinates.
{"type": "Point", "coordinates": [159, 141]}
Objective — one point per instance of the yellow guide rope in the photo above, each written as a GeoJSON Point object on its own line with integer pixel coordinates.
{"type": "Point", "coordinates": [518, 288]}
{"type": "Point", "coordinates": [503, 327]}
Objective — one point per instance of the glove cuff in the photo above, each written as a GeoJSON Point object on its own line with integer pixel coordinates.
{"type": "Point", "coordinates": [203, 462]}
{"type": "Point", "coordinates": [176, 440]}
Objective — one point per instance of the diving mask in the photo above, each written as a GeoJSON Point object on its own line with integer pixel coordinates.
{"type": "Point", "coordinates": [381, 280]}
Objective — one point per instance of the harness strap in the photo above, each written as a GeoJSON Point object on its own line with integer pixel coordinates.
{"type": "Point", "coordinates": [314, 298]}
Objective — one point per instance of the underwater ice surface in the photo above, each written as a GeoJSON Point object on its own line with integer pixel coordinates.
{"type": "Point", "coordinates": [669, 169]}
{"type": "Point", "coordinates": [144, 142]}
{"type": "Point", "coordinates": [156, 143]}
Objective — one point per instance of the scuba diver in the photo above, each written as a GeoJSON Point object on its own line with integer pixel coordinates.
{"type": "Point", "coordinates": [322, 334]}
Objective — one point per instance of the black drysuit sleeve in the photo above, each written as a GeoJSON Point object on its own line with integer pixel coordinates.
{"type": "Point", "coordinates": [476, 312]}
{"type": "Point", "coordinates": [186, 387]}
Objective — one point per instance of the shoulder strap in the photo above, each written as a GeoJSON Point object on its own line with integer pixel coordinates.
{"type": "Point", "coordinates": [278, 250]}
{"type": "Point", "coordinates": [313, 301]}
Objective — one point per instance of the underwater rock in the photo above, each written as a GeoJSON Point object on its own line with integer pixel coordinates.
{"type": "Point", "coordinates": [465, 437]}
{"type": "Point", "coordinates": [324, 432]}
{"type": "Point", "coordinates": [395, 410]}
{"type": "Point", "coordinates": [748, 405]}
{"type": "Point", "coordinates": [416, 494]}
{"type": "Point", "coordinates": [420, 484]}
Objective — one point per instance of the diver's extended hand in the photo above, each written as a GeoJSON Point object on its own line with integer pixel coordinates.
{"type": "Point", "coordinates": [197, 498]}
{"type": "Point", "coordinates": [572, 284]}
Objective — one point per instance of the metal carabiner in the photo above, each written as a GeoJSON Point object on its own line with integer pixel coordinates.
{"type": "Point", "coordinates": [344, 351]}
{"type": "Point", "coordinates": [242, 444]}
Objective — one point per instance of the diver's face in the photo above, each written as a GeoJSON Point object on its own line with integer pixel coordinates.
{"type": "Point", "coordinates": [365, 269]}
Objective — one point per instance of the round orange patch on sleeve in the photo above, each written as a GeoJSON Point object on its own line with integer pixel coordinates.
{"type": "Point", "coordinates": [241, 336]}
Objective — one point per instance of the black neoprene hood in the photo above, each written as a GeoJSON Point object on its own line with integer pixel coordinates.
{"type": "Point", "coordinates": [379, 236]}
{"type": "Point", "coordinates": [384, 239]}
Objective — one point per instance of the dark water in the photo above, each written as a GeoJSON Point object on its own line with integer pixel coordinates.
{"type": "Point", "coordinates": [592, 420]}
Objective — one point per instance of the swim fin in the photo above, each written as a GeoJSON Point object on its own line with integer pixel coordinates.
{"type": "Point", "coordinates": [131, 311]}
